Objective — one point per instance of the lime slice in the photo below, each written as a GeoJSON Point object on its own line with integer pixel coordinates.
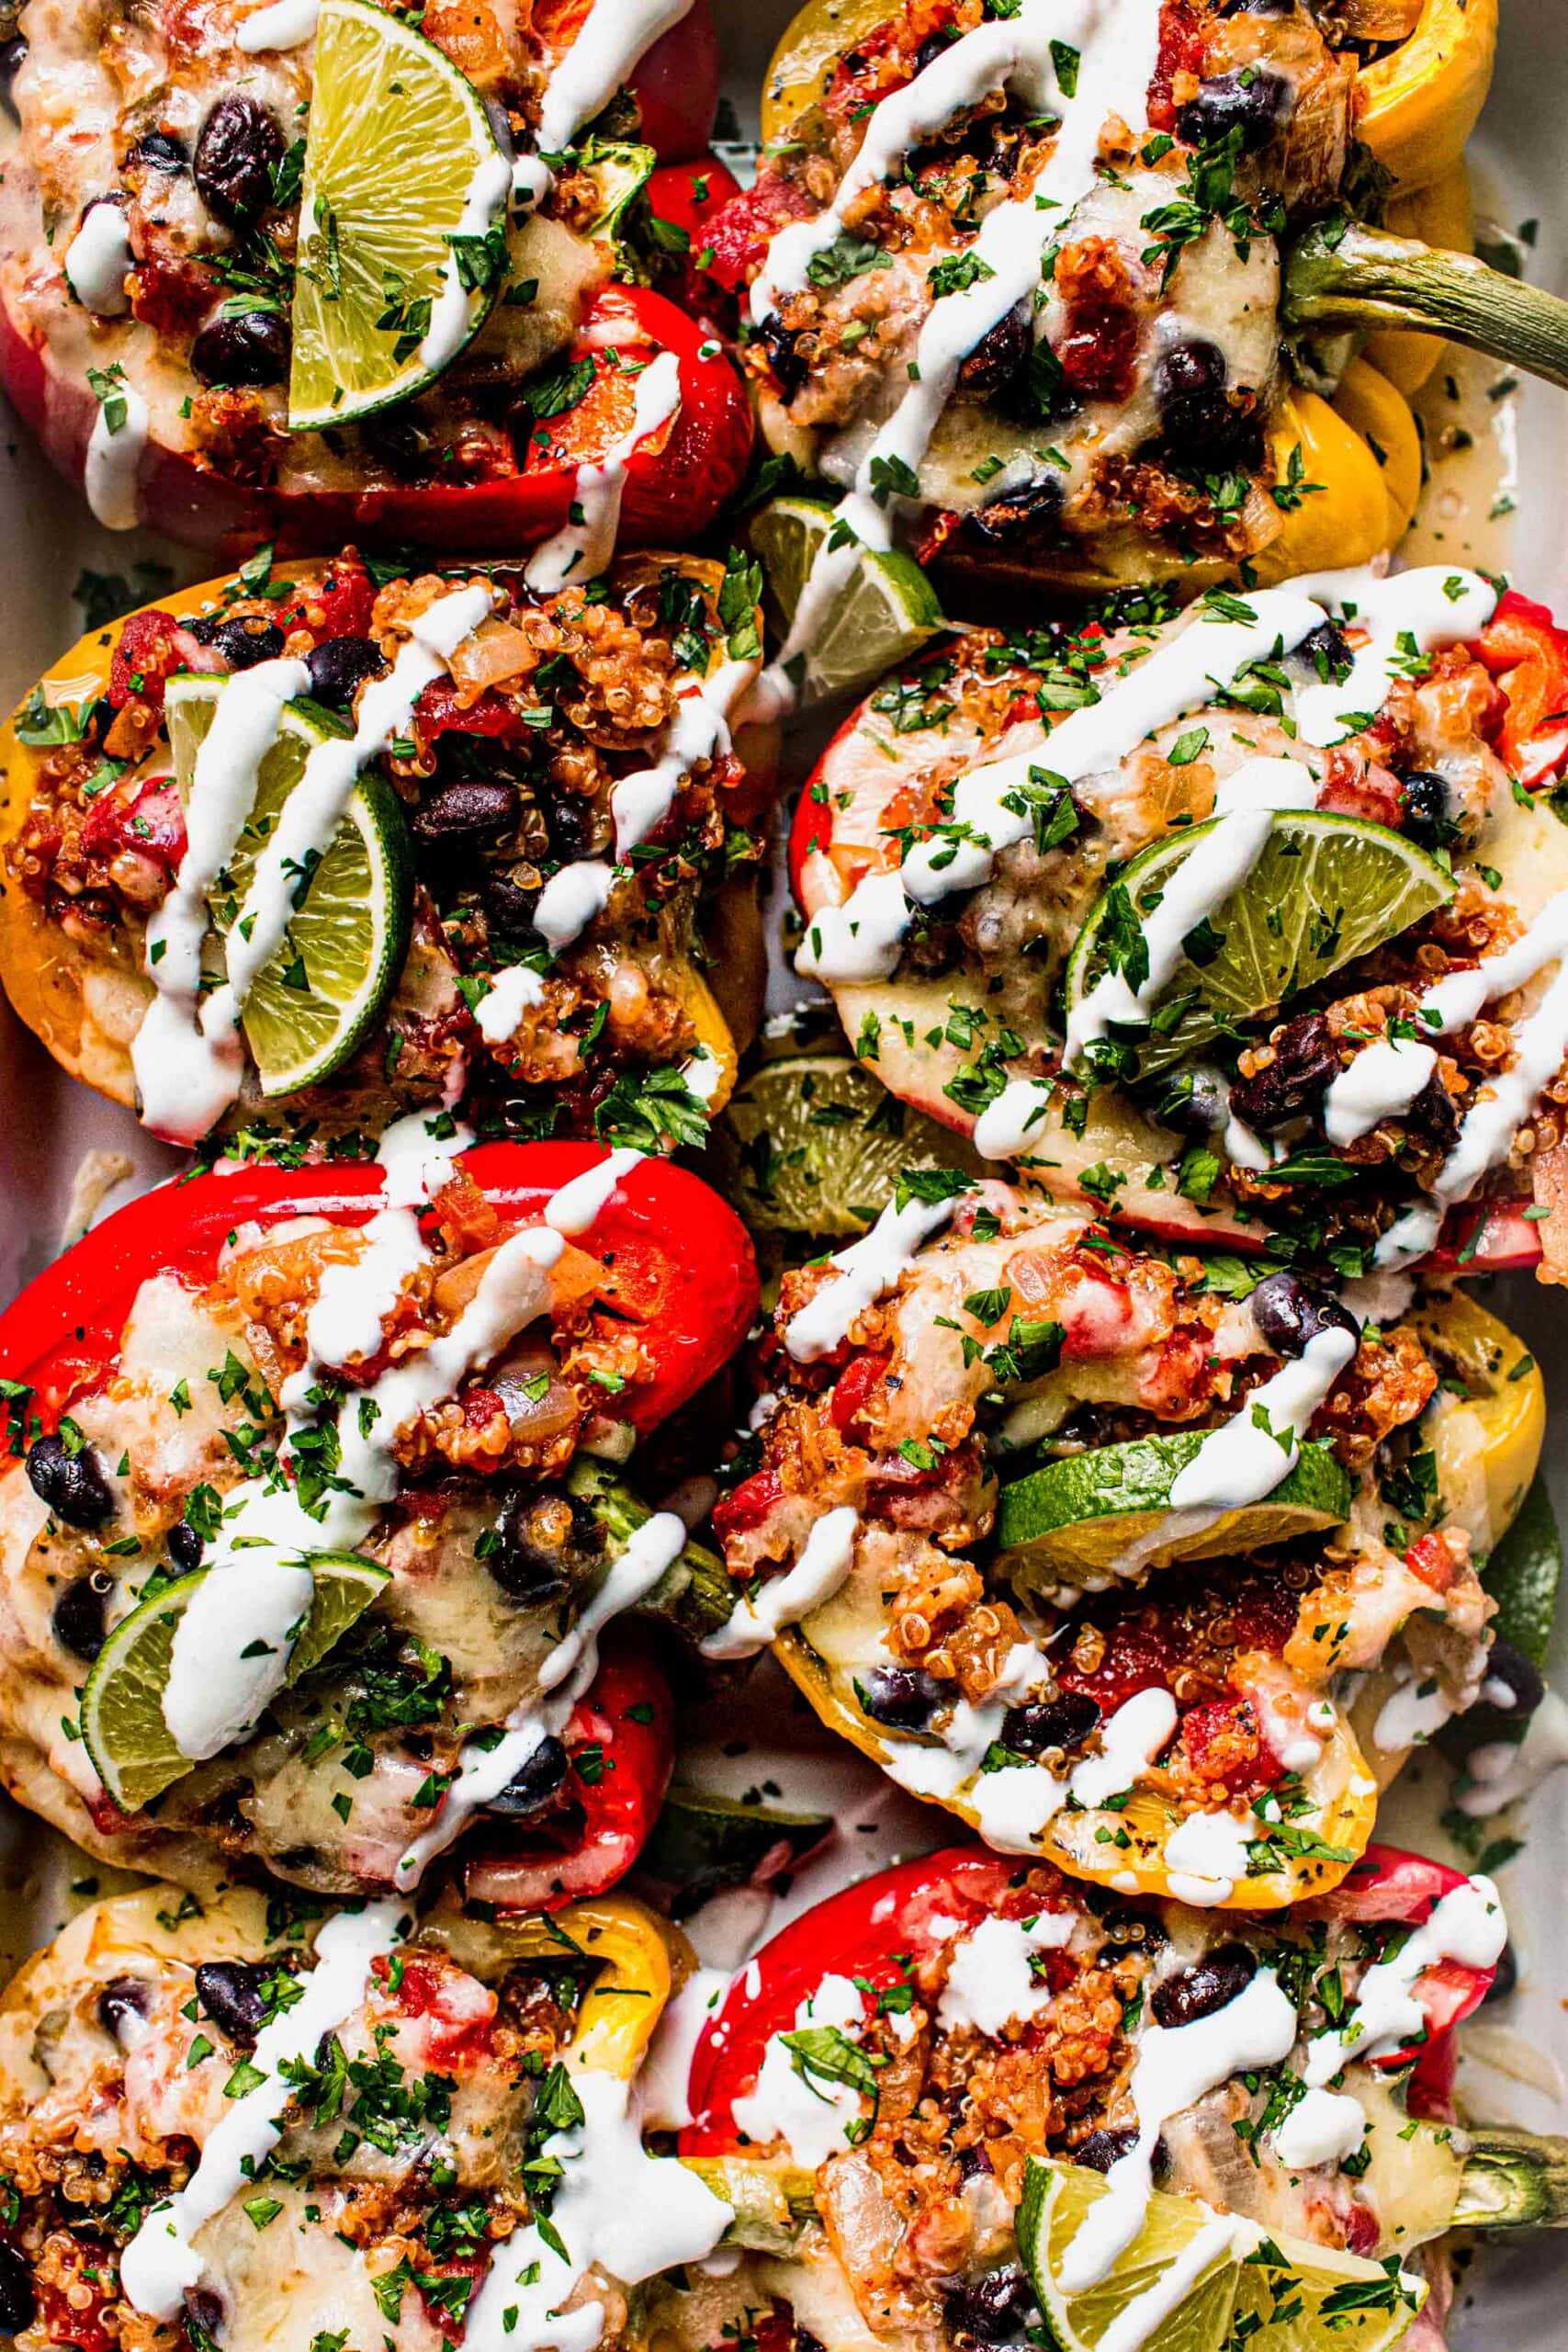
{"type": "Point", "coordinates": [1194, 2280]}
{"type": "Point", "coordinates": [1076, 1518]}
{"type": "Point", "coordinates": [813, 1144]}
{"type": "Point", "coordinates": [313, 1004]}
{"type": "Point", "coordinates": [1324, 890]}
{"type": "Point", "coordinates": [399, 157]}
{"type": "Point", "coordinates": [122, 1705]}
{"type": "Point", "coordinates": [886, 610]}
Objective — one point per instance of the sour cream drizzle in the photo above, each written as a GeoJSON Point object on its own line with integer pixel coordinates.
{"type": "Point", "coordinates": [616, 2207]}
{"type": "Point", "coordinates": [585, 543]}
{"type": "Point", "coordinates": [697, 729]}
{"type": "Point", "coordinates": [186, 1054]}
{"type": "Point", "coordinates": [113, 459]}
{"type": "Point", "coordinates": [865, 1273]}
{"type": "Point", "coordinates": [820, 1572]}
{"type": "Point", "coordinates": [98, 259]}
{"type": "Point", "coordinates": [159, 2263]}
{"type": "Point", "coordinates": [1540, 1041]}
{"type": "Point", "coordinates": [1467, 1925]}
{"type": "Point", "coordinates": [286, 24]}
{"type": "Point", "coordinates": [1117, 43]}
{"type": "Point", "coordinates": [614, 38]}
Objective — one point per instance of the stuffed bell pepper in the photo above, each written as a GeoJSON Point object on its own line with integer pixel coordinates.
{"type": "Point", "coordinates": [260, 2125]}
{"type": "Point", "coordinates": [1028, 284]}
{"type": "Point", "coordinates": [311, 1536]}
{"type": "Point", "coordinates": [429, 838]}
{"type": "Point", "coordinates": [1244, 923]}
{"type": "Point", "coordinates": [230, 307]}
{"type": "Point", "coordinates": [1140, 1563]}
{"type": "Point", "coordinates": [970, 2097]}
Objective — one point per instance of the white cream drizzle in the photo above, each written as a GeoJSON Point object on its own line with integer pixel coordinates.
{"type": "Point", "coordinates": [161, 2263]}
{"type": "Point", "coordinates": [584, 546]}
{"type": "Point", "coordinates": [1382, 1083]}
{"type": "Point", "coordinates": [114, 460]}
{"type": "Point", "coordinates": [865, 1273]}
{"type": "Point", "coordinates": [457, 308]}
{"type": "Point", "coordinates": [613, 38]}
{"type": "Point", "coordinates": [98, 259]}
{"type": "Point", "coordinates": [186, 1054]}
{"type": "Point", "coordinates": [1466, 1924]}
{"type": "Point", "coordinates": [513, 992]}
{"type": "Point", "coordinates": [286, 24]}
{"type": "Point", "coordinates": [820, 1571]}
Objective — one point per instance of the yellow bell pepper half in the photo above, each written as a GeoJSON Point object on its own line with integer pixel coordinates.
{"type": "Point", "coordinates": [1340, 1790]}
{"type": "Point", "coordinates": [641, 1960]}
{"type": "Point", "coordinates": [1416, 107]}
{"type": "Point", "coordinates": [1344, 512]}
{"type": "Point", "coordinates": [1487, 1441]}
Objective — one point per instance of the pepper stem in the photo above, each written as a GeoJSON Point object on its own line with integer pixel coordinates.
{"type": "Point", "coordinates": [1513, 2180]}
{"type": "Point", "coordinates": [1363, 277]}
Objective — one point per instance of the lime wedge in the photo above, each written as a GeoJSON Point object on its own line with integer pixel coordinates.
{"type": "Point", "coordinates": [1325, 890]}
{"type": "Point", "coordinates": [1076, 1518]}
{"type": "Point", "coordinates": [884, 613]}
{"type": "Point", "coordinates": [122, 1705]}
{"type": "Point", "coordinates": [812, 1144]}
{"type": "Point", "coordinates": [400, 158]}
{"type": "Point", "coordinates": [1195, 2280]}
{"type": "Point", "coordinates": [324, 989]}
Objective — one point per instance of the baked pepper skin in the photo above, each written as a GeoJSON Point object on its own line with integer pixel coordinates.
{"type": "Point", "coordinates": [680, 1262]}
{"type": "Point", "coordinates": [1417, 105]}
{"type": "Point", "coordinates": [621, 1746]}
{"type": "Point", "coordinates": [674, 488]}
{"type": "Point", "coordinates": [911, 1910]}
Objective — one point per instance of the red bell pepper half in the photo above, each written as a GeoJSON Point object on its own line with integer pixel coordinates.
{"type": "Point", "coordinates": [621, 1743]}
{"type": "Point", "coordinates": [910, 1911]}
{"type": "Point", "coordinates": [678, 1262]}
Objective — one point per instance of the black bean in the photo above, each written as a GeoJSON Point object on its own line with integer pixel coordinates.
{"type": "Point", "coordinates": [1519, 1676]}
{"type": "Point", "coordinates": [184, 1546]}
{"type": "Point", "coordinates": [204, 2309]}
{"type": "Point", "coordinates": [1196, 1102]}
{"type": "Point", "coordinates": [243, 638]}
{"type": "Point", "coordinates": [785, 356]}
{"type": "Point", "coordinates": [161, 151]}
{"type": "Point", "coordinates": [1434, 1117]}
{"type": "Point", "coordinates": [509, 909]}
{"type": "Point", "coordinates": [458, 815]}
{"type": "Point", "coordinates": [1429, 810]}
{"type": "Point", "coordinates": [18, 2303]}
{"type": "Point", "coordinates": [1326, 653]}
{"type": "Point", "coordinates": [1063, 1721]}
{"type": "Point", "coordinates": [544, 1537]}
{"type": "Point", "coordinates": [123, 1996]}
{"type": "Point", "coordinates": [1258, 7]}
{"type": "Point", "coordinates": [78, 1616]}
{"type": "Point", "coordinates": [1036, 508]}
{"type": "Point", "coordinates": [1506, 1979]}
{"type": "Point", "coordinates": [1102, 2149]}
{"type": "Point", "coordinates": [1199, 423]}
{"type": "Point", "coordinates": [239, 147]}
{"type": "Point", "coordinates": [1211, 1983]}
{"type": "Point", "coordinates": [401, 443]}
{"type": "Point", "coordinates": [1305, 1061]}
{"type": "Point", "coordinates": [574, 828]}
{"type": "Point", "coordinates": [250, 349]}
{"type": "Point", "coordinates": [534, 1787]}
{"type": "Point", "coordinates": [901, 1696]}
{"type": "Point", "coordinates": [13, 57]}
{"type": "Point", "coordinates": [339, 666]}
{"type": "Point", "coordinates": [935, 45]}
{"type": "Point", "coordinates": [1000, 355]}
{"type": "Point", "coordinates": [73, 1485]}
{"type": "Point", "coordinates": [1249, 99]}
{"type": "Point", "coordinates": [1288, 1311]}
{"type": "Point", "coordinates": [230, 1994]}
{"type": "Point", "coordinates": [991, 2309]}
{"type": "Point", "coordinates": [973, 2163]}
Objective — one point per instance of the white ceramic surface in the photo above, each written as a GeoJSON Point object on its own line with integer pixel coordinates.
{"type": "Point", "coordinates": [47, 1125]}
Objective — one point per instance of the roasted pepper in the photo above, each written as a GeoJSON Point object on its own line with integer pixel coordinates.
{"type": "Point", "coordinates": [1418, 104]}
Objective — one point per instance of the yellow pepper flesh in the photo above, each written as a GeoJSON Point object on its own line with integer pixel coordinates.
{"type": "Point", "coordinates": [1417, 105]}
{"type": "Point", "coordinates": [1440, 215]}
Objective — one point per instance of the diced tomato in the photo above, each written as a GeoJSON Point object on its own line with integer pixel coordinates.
{"type": "Point", "coordinates": [1181, 52]}
{"type": "Point", "coordinates": [1223, 1743]}
{"type": "Point", "coordinates": [459, 2012]}
{"type": "Point", "coordinates": [1356, 786]}
{"type": "Point", "coordinates": [63, 2321]}
{"type": "Point", "coordinates": [854, 1386]}
{"type": "Point", "coordinates": [747, 1506]}
{"type": "Point", "coordinates": [450, 2316]}
{"type": "Point", "coordinates": [152, 646]}
{"type": "Point", "coordinates": [152, 820]}
{"type": "Point", "coordinates": [441, 711]}
{"type": "Point", "coordinates": [1137, 1657]}
{"type": "Point", "coordinates": [338, 605]}
{"type": "Point", "coordinates": [689, 197]}
{"type": "Point", "coordinates": [1430, 1558]}
{"type": "Point", "coordinates": [465, 1217]}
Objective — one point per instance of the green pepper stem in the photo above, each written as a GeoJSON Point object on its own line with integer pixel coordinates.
{"type": "Point", "coordinates": [1513, 2180]}
{"type": "Point", "coordinates": [1364, 277]}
